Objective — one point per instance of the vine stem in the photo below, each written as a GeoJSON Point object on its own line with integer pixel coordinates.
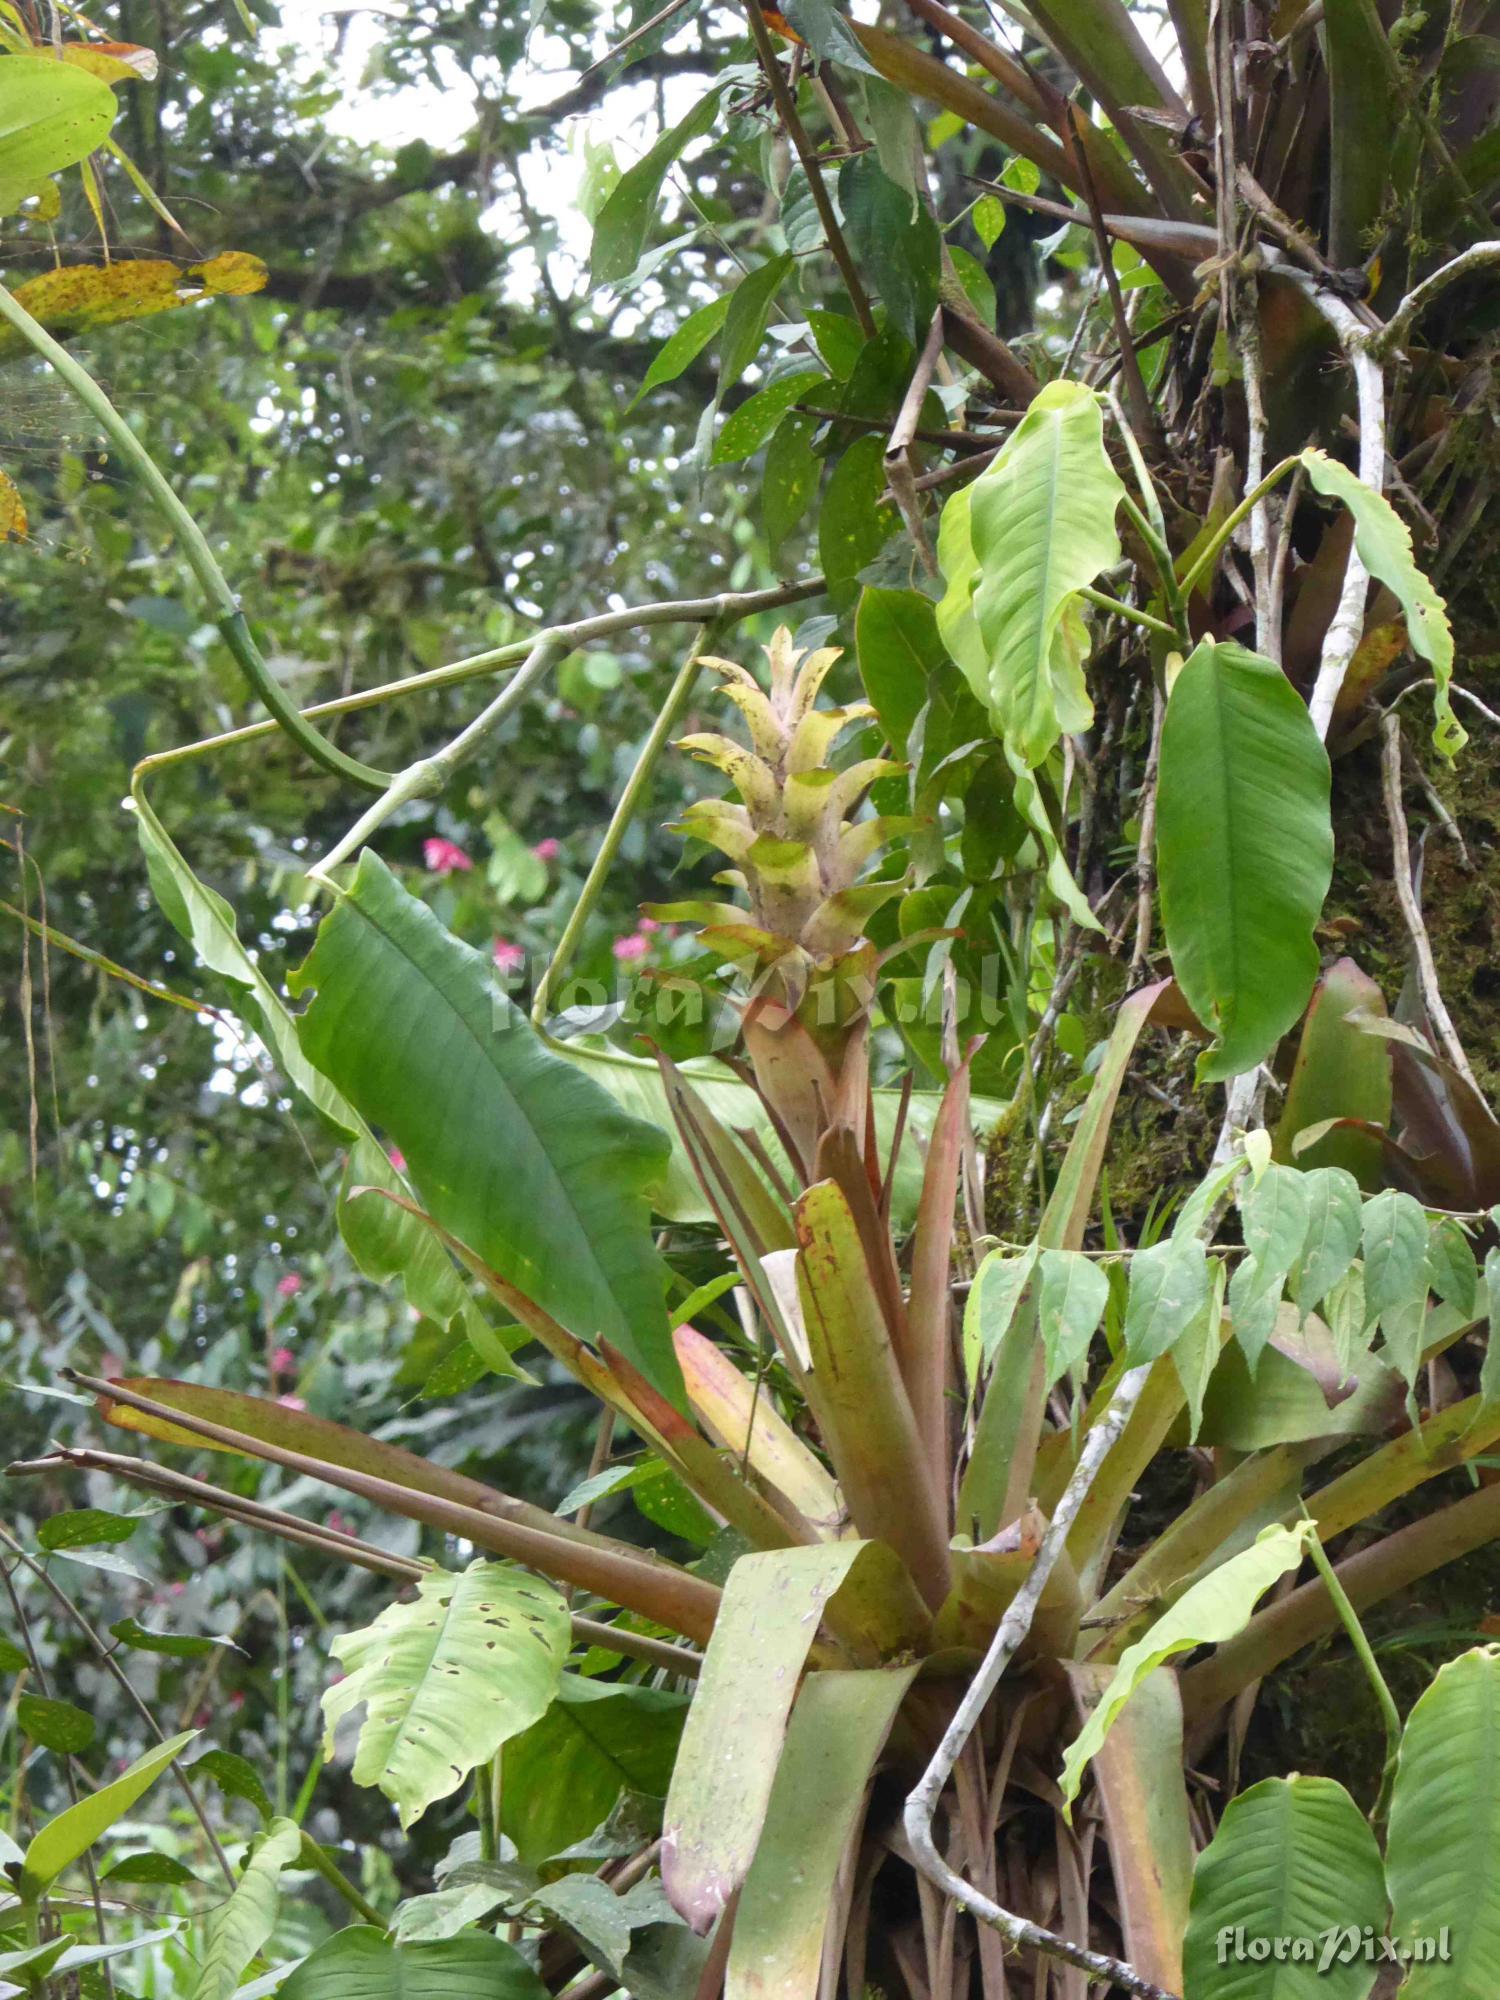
{"type": "Point", "coordinates": [624, 812]}
{"type": "Point", "coordinates": [1399, 325]}
{"type": "Point", "coordinates": [922, 1804]}
{"type": "Point", "coordinates": [200, 558]}
{"type": "Point", "coordinates": [429, 774]}
{"type": "Point", "coordinates": [1389, 1714]}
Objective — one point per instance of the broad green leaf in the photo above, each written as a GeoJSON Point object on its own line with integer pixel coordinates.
{"type": "Point", "coordinates": [56, 1725]}
{"type": "Point", "coordinates": [853, 526]}
{"type": "Point", "coordinates": [745, 322]}
{"type": "Point", "coordinates": [754, 421]}
{"type": "Point", "coordinates": [173, 1645]}
{"type": "Point", "coordinates": [1169, 1288]}
{"type": "Point", "coordinates": [1383, 542]}
{"type": "Point", "coordinates": [1072, 1292]}
{"type": "Point", "coordinates": [837, 1732]}
{"type": "Point", "coordinates": [896, 637]}
{"type": "Point", "coordinates": [988, 217]}
{"type": "Point", "coordinates": [1394, 1235]}
{"type": "Point", "coordinates": [1489, 1374]}
{"type": "Point", "coordinates": [1245, 850]}
{"type": "Point", "coordinates": [1293, 1858]}
{"type": "Point", "coordinates": [895, 242]}
{"type": "Point", "coordinates": [510, 1148]}
{"type": "Point", "coordinates": [1274, 1217]}
{"type": "Point", "coordinates": [1332, 1239]}
{"type": "Point", "coordinates": [790, 477]}
{"type": "Point", "coordinates": [1214, 1609]}
{"type": "Point", "coordinates": [238, 1928]}
{"type": "Point", "coordinates": [64, 1839]}
{"type": "Point", "coordinates": [1451, 1268]}
{"type": "Point", "coordinates": [1443, 1849]}
{"type": "Point", "coordinates": [446, 1678]}
{"type": "Point", "coordinates": [52, 115]}
{"type": "Point", "coordinates": [1339, 1072]}
{"type": "Point", "coordinates": [992, 1302]}
{"type": "Point", "coordinates": [236, 1778]}
{"type": "Point", "coordinates": [736, 1727]}
{"type": "Point", "coordinates": [682, 348]}
{"type": "Point", "coordinates": [84, 1527]}
{"type": "Point", "coordinates": [1016, 547]}
{"type": "Point", "coordinates": [383, 1239]}
{"type": "Point", "coordinates": [1361, 150]}
{"type": "Point", "coordinates": [1344, 1310]}
{"type": "Point", "coordinates": [565, 1774]}
{"type": "Point", "coordinates": [365, 1964]}
{"type": "Point", "coordinates": [158, 1870]}
{"type": "Point", "coordinates": [827, 33]}
{"type": "Point", "coordinates": [623, 223]}
{"type": "Point", "coordinates": [1197, 1349]}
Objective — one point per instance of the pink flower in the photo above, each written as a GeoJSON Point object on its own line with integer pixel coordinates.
{"type": "Point", "coordinates": [397, 1159]}
{"type": "Point", "coordinates": [283, 1362]}
{"type": "Point", "coordinates": [648, 924]}
{"type": "Point", "coordinates": [444, 858]}
{"type": "Point", "coordinates": [292, 1402]}
{"type": "Point", "coordinates": [338, 1523]}
{"type": "Point", "coordinates": [548, 849]}
{"type": "Point", "coordinates": [289, 1286]}
{"type": "Point", "coordinates": [507, 956]}
{"type": "Point", "coordinates": [627, 948]}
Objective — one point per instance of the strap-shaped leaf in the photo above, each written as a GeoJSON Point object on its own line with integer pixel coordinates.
{"type": "Point", "coordinates": [1245, 850]}
{"type": "Point", "coordinates": [63, 1839]}
{"type": "Point", "coordinates": [1016, 547]}
{"type": "Point", "coordinates": [1443, 1860]}
{"type": "Point", "coordinates": [1216, 1608]}
{"type": "Point", "coordinates": [1293, 1860]}
{"type": "Point", "coordinates": [447, 1678]}
{"type": "Point", "coordinates": [837, 1731]}
{"type": "Point", "coordinates": [513, 1150]}
{"type": "Point", "coordinates": [737, 1725]}
{"type": "Point", "coordinates": [1383, 542]}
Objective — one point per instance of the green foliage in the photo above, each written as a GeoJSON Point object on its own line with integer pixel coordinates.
{"type": "Point", "coordinates": [364, 1964]}
{"type": "Point", "coordinates": [240, 1926]}
{"type": "Point", "coordinates": [64, 1839]}
{"type": "Point", "coordinates": [526, 1162]}
{"type": "Point", "coordinates": [446, 1678]}
{"type": "Point", "coordinates": [1444, 1827]}
{"type": "Point", "coordinates": [1246, 851]}
{"type": "Point", "coordinates": [1016, 548]}
{"type": "Point", "coordinates": [52, 115]}
{"type": "Point", "coordinates": [1293, 1859]}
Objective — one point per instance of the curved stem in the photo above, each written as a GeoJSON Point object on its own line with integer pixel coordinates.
{"type": "Point", "coordinates": [200, 557]}
{"type": "Point", "coordinates": [1173, 595]}
{"type": "Point", "coordinates": [614, 833]}
{"type": "Point", "coordinates": [1012, 1630]}
{"type": "Point", "coordinates": [1210, 554]}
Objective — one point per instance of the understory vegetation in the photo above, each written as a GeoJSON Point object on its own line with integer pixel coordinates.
{"type": "Point", "coordinates": [750, 1191]}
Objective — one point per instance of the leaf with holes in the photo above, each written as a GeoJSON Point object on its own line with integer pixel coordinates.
{"type": "Point", "coordinates": [447, 1678]}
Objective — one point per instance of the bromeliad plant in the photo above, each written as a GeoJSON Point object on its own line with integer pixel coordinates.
{"type": "Point", "coordinates": [924, 1637]}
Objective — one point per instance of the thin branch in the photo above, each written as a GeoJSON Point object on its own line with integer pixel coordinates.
{"type": "Point", "coordinates": [1341, 641]}
{"type": "Point", "coordinates": [1393, 334]}
{"type": "Point", "coordinates": [1013, 1628]}
{"type": "Point", "coordinates": [796, 131]}
{"type": "Point", "coordinates": [1145, 852]}
{"type": "Point", "coordinates": [619, 824]}
{"type": "Point", "coordinates": [1411, 910]}
{"type": "Point", "coordinates": [898, 470]}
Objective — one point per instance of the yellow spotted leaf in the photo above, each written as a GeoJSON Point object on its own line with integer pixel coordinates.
{"type": "Point", "coordinates": [80, 297]}
{"type": "Point", "coordinates": [12, 511]}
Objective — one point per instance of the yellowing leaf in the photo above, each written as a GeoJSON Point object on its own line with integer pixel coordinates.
{"type": "Point", "coordinates": [115, 62]}
{"type": "Point", "coordinates": [51, 117]}
{"type": "Point", "coordinates": [81, 297]}
{"type": "Point", "coordinates": [12, 511]}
